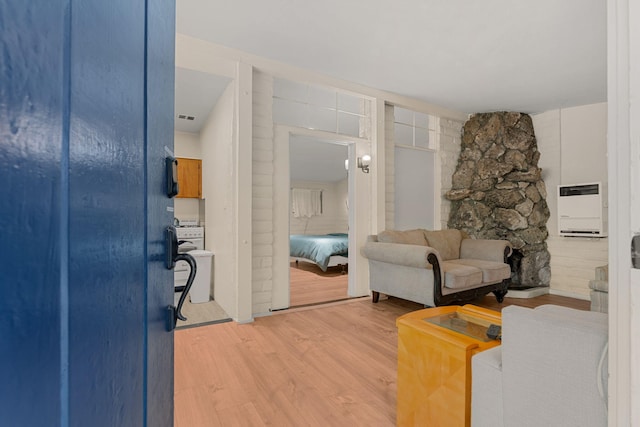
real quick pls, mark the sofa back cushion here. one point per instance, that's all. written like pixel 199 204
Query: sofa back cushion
pixel 408 237
pixel 446 242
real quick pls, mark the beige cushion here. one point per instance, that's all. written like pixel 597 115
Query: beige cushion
pixel 492 272
pixel 458 276
pixel 446 242
pixel 409 237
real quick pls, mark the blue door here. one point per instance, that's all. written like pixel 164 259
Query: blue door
pixel 86 119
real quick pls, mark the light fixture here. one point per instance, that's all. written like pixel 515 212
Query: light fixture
pixel 346 165
pixel 364 162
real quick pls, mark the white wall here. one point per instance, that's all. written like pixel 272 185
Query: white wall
pixel 414 188
pixel 335 216
pixel 219 192
pixel 254 225
pixel 572 144
pixel 449 140
pixel 583 137
pixel 263 224
pixel 449 148
pixel 187 144
pixel 390 163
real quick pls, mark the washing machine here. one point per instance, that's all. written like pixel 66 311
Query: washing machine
pixel 192 239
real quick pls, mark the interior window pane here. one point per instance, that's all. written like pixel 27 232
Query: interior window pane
pixel 289 113
pixel 403 134
pixel 422 120
pixel 349 124
pixel 402 115
pixel 349 103
pixel 321 97
pixel 322 118
pixel 422 138
pixel 290 90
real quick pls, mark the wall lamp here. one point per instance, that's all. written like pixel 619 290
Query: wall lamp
pixel 364 162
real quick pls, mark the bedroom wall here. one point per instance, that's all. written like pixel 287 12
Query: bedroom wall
pixel 335 216
pixel 573 149
pixel 218 190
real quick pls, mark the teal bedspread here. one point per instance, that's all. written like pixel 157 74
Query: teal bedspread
pixel 319 248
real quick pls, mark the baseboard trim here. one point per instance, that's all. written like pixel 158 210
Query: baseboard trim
pixel 528 293
pixel 569 294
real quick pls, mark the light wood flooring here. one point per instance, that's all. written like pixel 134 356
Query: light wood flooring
pixel 310 285
pixel 331 365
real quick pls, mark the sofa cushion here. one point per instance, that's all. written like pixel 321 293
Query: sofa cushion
pixel 492 272
pixel 408 237
pixel 458 276
pixel 446 242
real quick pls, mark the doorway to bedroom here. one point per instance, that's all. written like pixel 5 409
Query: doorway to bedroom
pixel 318 220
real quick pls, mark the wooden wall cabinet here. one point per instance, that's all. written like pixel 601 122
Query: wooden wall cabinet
pixel 189 178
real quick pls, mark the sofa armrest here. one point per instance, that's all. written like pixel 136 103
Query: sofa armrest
pixel 486 388
pixel 485 249
pixel 553 358
pixel 399 254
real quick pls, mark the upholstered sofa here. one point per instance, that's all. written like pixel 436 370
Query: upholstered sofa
pixel 551 370
pixel 436 268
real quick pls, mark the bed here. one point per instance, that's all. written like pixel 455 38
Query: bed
pixel 325 250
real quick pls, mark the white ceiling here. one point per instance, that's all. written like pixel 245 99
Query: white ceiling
pixel 516 55
pixel 513 55
pixel 196 94
pixel 311 159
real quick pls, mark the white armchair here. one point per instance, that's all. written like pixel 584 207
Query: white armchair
pixel 551 370
pixel 600 290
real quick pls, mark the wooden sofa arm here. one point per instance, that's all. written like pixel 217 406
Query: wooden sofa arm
pixel 400 254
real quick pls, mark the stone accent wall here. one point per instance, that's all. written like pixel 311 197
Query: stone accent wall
pixel 498 193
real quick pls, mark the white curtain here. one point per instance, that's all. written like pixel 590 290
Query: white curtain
pixel 306 202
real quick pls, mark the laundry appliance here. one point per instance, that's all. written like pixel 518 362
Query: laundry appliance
pixel 191 241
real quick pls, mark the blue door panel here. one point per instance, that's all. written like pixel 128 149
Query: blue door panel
pixel 82 212
pixel 107 215
pixel 160 74
pixel 30 211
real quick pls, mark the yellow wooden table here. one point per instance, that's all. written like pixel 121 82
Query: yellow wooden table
pixel 435 346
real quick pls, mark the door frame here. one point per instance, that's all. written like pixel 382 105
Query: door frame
pixel 623 147
pixel 359 187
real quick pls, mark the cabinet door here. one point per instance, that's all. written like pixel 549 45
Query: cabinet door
pixel 190 177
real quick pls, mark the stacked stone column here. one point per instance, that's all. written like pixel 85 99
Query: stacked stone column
pixel 498 193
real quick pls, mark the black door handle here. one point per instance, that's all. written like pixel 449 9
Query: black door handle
pixel 175 312
pixel 185 291
pixel 635 251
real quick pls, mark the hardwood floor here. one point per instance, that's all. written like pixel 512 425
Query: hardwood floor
pixel 310 285
pixel 325 365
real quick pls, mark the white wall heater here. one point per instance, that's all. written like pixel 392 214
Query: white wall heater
pixel 581 211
